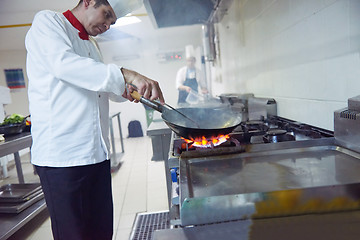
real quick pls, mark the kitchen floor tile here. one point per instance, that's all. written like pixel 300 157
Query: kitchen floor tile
pixel 126 220
pixel 134 204
pixel 157 198
pixel 42 233
pixel 123 234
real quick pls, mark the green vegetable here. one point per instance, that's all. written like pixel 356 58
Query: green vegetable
pixel 13 119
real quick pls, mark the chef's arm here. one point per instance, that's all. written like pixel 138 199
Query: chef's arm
pixel 184 88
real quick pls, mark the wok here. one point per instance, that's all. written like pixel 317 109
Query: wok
pixel 192 123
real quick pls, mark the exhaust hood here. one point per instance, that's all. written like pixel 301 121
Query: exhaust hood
pixel 171 13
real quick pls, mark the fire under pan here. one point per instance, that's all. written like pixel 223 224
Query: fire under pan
pixel 146 223
pixel 210 187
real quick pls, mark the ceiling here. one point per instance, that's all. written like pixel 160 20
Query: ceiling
pixel 14 12
pixel 20 11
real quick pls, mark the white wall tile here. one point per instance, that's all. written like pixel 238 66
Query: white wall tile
pixel 276 17
pixel 254 8
pixel 300 10
pixel 354 29
pixel 336 28
pixel 305 54
pixel 314 112
pixel 329 2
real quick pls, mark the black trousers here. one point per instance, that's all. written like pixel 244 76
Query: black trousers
pixel 79 201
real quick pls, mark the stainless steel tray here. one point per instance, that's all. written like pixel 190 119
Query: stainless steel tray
pixel 17 207
pixel 18 192
pixel 214 183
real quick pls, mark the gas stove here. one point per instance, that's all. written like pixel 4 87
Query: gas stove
pixel 261 158
pixel 274 129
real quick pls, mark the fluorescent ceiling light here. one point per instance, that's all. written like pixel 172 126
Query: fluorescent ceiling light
pixel 128 19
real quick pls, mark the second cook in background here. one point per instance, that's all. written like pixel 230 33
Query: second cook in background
pixel 189 78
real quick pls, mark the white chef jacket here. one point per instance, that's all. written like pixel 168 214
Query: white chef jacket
pixel 69 90
pixel 181 77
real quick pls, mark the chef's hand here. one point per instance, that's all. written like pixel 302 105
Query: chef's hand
pixel 145 86
pixel 204 91
pixel 185 88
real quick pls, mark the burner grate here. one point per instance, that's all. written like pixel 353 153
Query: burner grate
pixel 146 223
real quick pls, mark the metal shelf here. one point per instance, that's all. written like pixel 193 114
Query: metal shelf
pixel 10 223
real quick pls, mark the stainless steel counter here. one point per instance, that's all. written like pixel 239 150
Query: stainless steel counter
pixel 229 231
pixel 210 186
pixel 342 225
pixel 158 127
pixel 159 133
pixel 115 157
pixel 12 145
pixel 10 223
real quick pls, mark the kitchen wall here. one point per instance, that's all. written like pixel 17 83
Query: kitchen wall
pixel 305 54
pixel 19 101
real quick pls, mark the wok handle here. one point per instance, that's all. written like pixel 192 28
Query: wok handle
pixel 153 104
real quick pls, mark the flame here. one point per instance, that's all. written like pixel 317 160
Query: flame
pixel 204 142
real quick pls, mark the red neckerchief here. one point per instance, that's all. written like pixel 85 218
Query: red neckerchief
pixel 75 22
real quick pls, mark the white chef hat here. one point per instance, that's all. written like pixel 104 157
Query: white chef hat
pixel 123 7
pixel 189 51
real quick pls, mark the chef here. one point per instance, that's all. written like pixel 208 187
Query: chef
pixel 69 91
pixel 189 78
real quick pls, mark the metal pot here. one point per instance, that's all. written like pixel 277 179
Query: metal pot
pixel 235 98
